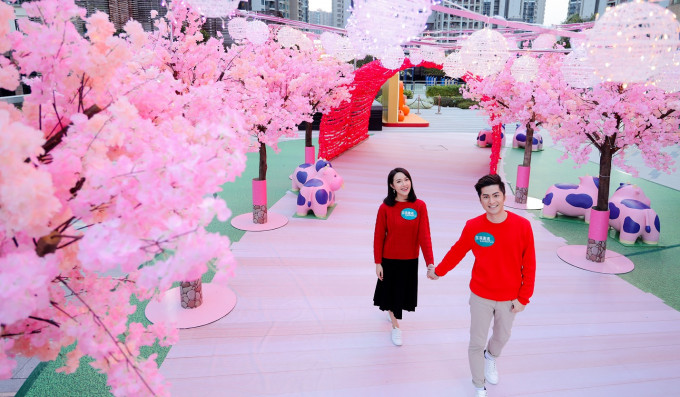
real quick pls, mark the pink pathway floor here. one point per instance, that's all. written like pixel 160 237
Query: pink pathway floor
pixel 305 324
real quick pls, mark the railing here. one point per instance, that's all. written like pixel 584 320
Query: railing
pixel 14 99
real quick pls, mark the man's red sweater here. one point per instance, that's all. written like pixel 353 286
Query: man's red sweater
pixel 401 230
pixel 505 259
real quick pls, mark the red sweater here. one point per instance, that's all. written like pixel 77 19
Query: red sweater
pixel 505 260
pixel 402 230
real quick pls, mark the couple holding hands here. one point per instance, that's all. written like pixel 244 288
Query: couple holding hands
pixel 502 275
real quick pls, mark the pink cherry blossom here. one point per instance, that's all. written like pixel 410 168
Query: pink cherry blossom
pixel 109 168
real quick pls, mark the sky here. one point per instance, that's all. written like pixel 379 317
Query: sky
pixel 325 5
pixel 555 12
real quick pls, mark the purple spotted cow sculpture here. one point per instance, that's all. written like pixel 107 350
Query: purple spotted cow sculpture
pixel 305 172
pixel 630 213
pixel 318 193
pixel 520 139
pixel 485 138
pixel 572 200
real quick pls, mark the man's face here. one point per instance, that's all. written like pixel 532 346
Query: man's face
pixel 492 200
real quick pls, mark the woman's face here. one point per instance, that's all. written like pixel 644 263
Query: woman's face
pixel 402 185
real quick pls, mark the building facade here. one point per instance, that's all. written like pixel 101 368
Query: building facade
pixel 320 17
pixel 341 10
pixel 530 11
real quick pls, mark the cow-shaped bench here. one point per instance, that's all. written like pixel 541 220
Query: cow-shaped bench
pixel 485 137
pixel 520 139
pixel 305 172
pixel 631 214
pixel 318 193
pixel 572 200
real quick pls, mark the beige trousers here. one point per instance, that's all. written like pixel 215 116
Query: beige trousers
pixel 481 312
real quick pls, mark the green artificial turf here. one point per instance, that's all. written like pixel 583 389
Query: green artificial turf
pixel 657 269
pixel 86 381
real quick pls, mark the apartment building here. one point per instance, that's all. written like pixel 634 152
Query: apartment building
pixel 340 12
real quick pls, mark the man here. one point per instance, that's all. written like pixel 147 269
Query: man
pixel 502 276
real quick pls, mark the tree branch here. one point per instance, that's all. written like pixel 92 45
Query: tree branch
pixel 99 322
pixel 55 139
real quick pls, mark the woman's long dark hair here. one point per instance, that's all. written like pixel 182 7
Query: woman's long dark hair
pixel 391 198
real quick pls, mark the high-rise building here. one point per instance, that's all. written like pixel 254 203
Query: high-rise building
pixel 296 10
pixel 447 22
pixel 341 12
pixel 121 11
pixel 587 9
pixel 529 11
pixel 320 17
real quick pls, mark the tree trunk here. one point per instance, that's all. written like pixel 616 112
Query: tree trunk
pixel 528 146
pixel 191 293
pixel 308 135
pixel 599 223
pixel 263 162
pixel 522 190
pixel 260 188
pixel 606 153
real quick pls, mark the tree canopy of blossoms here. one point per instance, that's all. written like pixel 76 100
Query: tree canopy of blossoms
pixel 612 118
pixel 277 88
pixel 106 182
pixel 331 88
pixel 510 101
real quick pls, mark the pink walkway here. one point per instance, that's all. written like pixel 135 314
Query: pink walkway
pixel 304 323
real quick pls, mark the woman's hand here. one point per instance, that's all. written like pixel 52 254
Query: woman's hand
pixel 379 271
pixel 430 272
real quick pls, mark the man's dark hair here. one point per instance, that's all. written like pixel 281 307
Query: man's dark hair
pixel 391 198
pixel 489 180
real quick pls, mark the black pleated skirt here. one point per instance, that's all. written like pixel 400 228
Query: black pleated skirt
pixel 398 289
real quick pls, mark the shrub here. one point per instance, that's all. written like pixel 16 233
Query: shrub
pixel 464 103
pixel 408 93
pixel 443 90
pixel 433 72
pixel 447 101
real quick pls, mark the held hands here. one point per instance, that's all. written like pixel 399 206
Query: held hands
pixel 516 306
pixel 379 271
pixel 430 272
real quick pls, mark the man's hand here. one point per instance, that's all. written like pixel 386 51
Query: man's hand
pixel 516 306
pixel 379 271
pixel 430 272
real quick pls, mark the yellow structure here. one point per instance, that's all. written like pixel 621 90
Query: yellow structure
pixel 390 95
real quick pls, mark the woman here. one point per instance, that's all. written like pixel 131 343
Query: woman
pixel 402 228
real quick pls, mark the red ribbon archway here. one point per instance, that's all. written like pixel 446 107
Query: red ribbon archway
pixel 347 125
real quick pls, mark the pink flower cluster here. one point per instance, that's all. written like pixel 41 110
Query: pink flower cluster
pixel 107 174
pixel 277 88
pixel 610 117
pixel 107 177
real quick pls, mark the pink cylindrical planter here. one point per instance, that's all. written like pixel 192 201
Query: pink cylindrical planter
pixel 309 154
pixel 522 184
pixel 259 201
pixel 191 293
pixel 597 235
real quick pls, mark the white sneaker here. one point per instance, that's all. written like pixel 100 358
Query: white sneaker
pixel 396 336
pixel 480 392
pixel 490 370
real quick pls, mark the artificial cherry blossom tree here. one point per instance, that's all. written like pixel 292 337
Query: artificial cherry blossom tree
pixel 505 99
pixel 274 88
pixel 613 117
pixel 331 88
pixel 106 182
